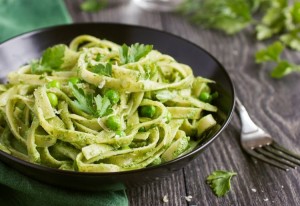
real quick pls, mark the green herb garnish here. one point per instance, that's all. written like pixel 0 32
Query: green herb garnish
pixel 97 106
pixel 52 59
pixel 101 69
pixel 219 181
pixel 133 53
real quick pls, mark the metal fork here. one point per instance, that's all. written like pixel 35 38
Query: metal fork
pixel 261 145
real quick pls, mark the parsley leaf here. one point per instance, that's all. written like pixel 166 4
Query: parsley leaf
pixel 229 16
pixel 219 181
pixel 271 53
pixel 273 22
pixel 52 59
pixel 83 101
pixel 102 70
pixel 292 16
pixel 292 39
pixel 133 53
pixel 97 106
pixel 53 56
pixel 93 5
pixel 102 105
pixel 284 68
pixel 37 68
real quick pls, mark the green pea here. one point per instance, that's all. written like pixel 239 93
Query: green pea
pixel 113 96
pixel 205 97
pixel 53 99
pixel 74 80
pixel 113 122
pixel 53 84
pixel 147 111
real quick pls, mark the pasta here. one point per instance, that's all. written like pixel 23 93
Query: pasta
pixel 96 106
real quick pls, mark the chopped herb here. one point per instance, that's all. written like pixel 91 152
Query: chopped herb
pixel 97 106
pixel 53 56
pixel 284 68
pixel 280 19
pixel 292 39
pixel 37 68
pixel 219 181
pixel 230 16
pixel 52 59
pixel 133 53
pixel 83 101
pixel 271 53
pixel 102 105
pixel 273 20
pixel 102 70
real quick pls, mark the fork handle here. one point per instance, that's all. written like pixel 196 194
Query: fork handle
pixel 248 125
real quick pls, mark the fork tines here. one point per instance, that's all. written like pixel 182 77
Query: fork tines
pixel 276 155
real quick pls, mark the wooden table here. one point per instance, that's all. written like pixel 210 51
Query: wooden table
pixel 273 104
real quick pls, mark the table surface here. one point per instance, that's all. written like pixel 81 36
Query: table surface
pixel 272 104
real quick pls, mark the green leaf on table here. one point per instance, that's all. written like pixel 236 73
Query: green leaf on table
pixel 292 39
pixel 133 53
pixel 219 181
pixel 101 69
pixel 284 68
pixel 295 11
pixel 230 16
pixel 292 16
pixel 273 21
pixel 271 53
pixel 93 5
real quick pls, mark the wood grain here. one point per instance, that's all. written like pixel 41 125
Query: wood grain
pixel 273 104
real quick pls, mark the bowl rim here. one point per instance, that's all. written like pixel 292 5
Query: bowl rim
pixel 134 171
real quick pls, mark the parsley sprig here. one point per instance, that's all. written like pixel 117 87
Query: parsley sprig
pixel 273 54
pixel 219 181
pixel 230 16
pixel 280 20
pixel 52 59
pixel 133 53
pixel 96 106
pixel 102 69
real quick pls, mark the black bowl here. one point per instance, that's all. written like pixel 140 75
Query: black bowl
pixel 20 50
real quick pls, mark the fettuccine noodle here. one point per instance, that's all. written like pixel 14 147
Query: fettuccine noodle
pixel 57 111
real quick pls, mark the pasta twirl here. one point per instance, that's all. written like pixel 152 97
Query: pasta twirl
pixel 96 106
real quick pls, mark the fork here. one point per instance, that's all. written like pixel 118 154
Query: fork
pixel 261 145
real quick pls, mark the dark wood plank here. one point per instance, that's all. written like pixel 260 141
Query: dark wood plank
pixel 272 104
pixel 153 193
